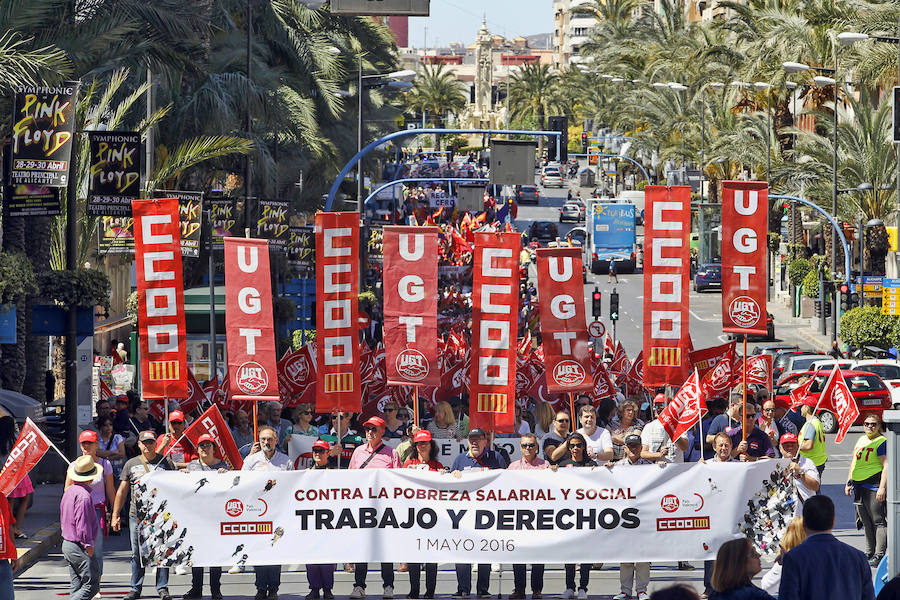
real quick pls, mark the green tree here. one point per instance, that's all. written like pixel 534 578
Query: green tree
pixel 436 92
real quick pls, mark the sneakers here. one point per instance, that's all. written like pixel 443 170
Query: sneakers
pixel 582 594
pixel 272 595
pixel 358 592
pixel 685 566
pixel 643 596
pixel 568 594
pixel 875 560
pixel 164 594
pixel 327 595
pixel 217 595
pixel 483 595
pixel 460 594
pixel 313 594
pixel 132 595
pixel 622 596
pixel 388 592
pixel 192 594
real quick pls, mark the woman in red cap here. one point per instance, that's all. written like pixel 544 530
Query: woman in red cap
pixel 320 577
pixel 423 452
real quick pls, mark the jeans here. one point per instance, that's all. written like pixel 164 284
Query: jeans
pixel 708 568
pixel 464 578
pixel 215 578
pixel 583 579
pixel 362 569
pixel 137 564
pixel 537 578
pixel 430 578
pixel 320 577
pixel 268 578
pixel 83 570
pixel 637 574
pixel 872 513
pixel 6 580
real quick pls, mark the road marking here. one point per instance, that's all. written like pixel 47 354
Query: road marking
pixel 696 316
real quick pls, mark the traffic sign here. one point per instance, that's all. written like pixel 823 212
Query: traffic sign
pixel 364 319
pixel 871 287
pixel 890 302
pixel 596 329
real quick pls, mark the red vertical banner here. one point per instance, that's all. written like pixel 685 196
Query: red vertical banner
pixel 249 323
pixel 410 305
pixel 495 319
pixel 160 286
pixel 338 385
pixel 745 226
pixel 666 280
pixel 567 351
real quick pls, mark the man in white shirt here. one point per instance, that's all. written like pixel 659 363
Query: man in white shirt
pixel 806 475
pixel 657 444
pixel 599 440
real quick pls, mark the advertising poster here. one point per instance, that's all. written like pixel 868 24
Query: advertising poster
pixel 27 200
pixel 227 220
pixel 190 210
pixel 116 235
pixel 115 172
pixel 43 134
pixel 302 248
pixel 273 222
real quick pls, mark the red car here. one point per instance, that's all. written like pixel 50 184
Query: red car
pixel 871 394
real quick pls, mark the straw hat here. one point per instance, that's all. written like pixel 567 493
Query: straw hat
pixel 84 469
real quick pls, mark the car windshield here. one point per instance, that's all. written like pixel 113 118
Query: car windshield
pixel 801 364
pixel 551 172
pixel 543 226
pixel 883 371
pixel 865 383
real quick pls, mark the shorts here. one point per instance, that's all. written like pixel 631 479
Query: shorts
pixel 23 489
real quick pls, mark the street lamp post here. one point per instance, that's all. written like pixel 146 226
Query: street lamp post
pixel 716 85
pixel 678 87
pixel 763 86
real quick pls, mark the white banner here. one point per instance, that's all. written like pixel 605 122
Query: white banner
pixel 623 514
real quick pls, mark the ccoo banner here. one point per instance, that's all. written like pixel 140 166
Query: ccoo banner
pixel 567 352
pixel 115 171
pixel 160 287
pixel 43 128
pixel 622 514
pixel 410 305
pixel 249 322
pixel 495 319
pixel 338 385
pixel 666 281
pixel 745 223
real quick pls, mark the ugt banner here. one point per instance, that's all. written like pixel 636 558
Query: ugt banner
pixel 31 445
pixel 567 353
pixel 338 385
pixel 745 226
pixel 160 287
pixel 622 514
pixel 410 305
pixel 666 281
pixel 249 323
pixel 495 319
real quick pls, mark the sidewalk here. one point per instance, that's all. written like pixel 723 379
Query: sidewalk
pixel 806 329
pixel 41 525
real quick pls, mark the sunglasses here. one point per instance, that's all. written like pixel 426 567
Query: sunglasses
pixel 870 424
pixel 562 420
pixel 370 428
pixel 319 450
pixel 387 410
pixel 306 412
pixel 206 445
pixel 576 445
pixel 768 410
pixel 529 445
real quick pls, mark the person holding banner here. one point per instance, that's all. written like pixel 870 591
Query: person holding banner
pixel 207 461
pixel 555 449
pixel 9 557
pixel 424 451
pixel 320 576
pixel 175 444
pixel 804 471
pixel 774 423
pixel 812 434
pixel 598 439
pixel 530 460
pixel 755 444
pixel 266 457
pixel 374 454
pixel 133 470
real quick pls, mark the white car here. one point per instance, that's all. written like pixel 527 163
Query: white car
pixel 551 176
pixel 828 365
pixel 888 370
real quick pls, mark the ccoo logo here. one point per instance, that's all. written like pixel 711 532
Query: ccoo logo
pixel 744 311
pixel 568 373
pixel 412 365
pixel 252 378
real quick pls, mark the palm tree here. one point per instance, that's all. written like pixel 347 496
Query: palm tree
pixel 436 92
pixel 534 93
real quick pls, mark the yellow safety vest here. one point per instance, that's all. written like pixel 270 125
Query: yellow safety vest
pixel 865 458
pixel 818 454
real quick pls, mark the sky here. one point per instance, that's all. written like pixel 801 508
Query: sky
pixel 459 20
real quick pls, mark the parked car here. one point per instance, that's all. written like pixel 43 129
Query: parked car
pixel 773 349
pixel 888 370
pixel 784 362
pixel 569 212
pixel 830 363
pixel 527 194
pixel 709 276
pixel 582 207
pixel 552 177
pixel 543 231
pixel 577 236
pixel 871 394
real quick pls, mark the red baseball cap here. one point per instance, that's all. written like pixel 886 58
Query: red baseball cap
pixel 808 401
pixel 88 436
pixel 175 416
pixel 660 399
pixel 787 438
pixel 321 444
pixel 376 422
pixel 422 436
pixel 206 438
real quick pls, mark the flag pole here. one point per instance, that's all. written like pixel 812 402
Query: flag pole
pixel 700 415
pixel 744 411
pixel 255 421
pixel 415 401
pixel 572 409
pixel 337 434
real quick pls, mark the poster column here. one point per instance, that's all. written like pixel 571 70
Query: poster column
pixel 338 384
pixel 410 306
pixel 745 224
pixel 666 281
pixel 495 308
pixel 160 287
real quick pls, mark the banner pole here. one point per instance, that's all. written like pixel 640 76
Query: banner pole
pixel 255 422
pixel 58 451
pixel 744 411
pixel 337 434
pixel 572 409
pixel 415 401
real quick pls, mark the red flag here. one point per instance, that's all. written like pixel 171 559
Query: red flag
pixel 31 445
pixel 799 393
pixel 338 383
pixel 567 350
pixel 410 305
pixel 105 392
pixel 603 385
pixel 745 225
pixel 195 394
pixel 837 394
pixel 249 322
pixel 617 366
pixel 608 345
pixel 160 285
pixel 495 316
pixel 212 422
pixel 721 378
pixel 297 376
pixel 210 388
pixel 634 379
pixel 759 370
pixel 666 281
pixel 685 409
pixel 706 358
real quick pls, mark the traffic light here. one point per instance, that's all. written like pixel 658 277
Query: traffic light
pixel 614 305
pixel 596 305
pixel 584 142
pixel 854 298
pixel 845 297
pixel 560 124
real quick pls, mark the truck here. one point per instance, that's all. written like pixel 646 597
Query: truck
pixel 611 235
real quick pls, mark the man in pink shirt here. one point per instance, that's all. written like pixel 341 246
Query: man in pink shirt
pixel 529 460
pixel 374 454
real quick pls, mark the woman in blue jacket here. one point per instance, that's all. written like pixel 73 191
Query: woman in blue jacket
pixel 736 564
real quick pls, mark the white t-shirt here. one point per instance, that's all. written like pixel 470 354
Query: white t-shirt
pixel 807 467
pixel 654 436
pixel 600 441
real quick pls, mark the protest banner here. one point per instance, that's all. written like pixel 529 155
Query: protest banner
pixel 623 514
pixel 29 449
pixel 745 226
pixel 213 423
pixel 42 134
pixel 115 172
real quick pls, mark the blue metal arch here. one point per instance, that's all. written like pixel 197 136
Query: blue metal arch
pixel 415 179
pixel 824 213
pixel 623 157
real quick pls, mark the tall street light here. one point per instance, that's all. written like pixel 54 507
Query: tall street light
pixel 765 87
pixel 716 85
pixel 678 87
